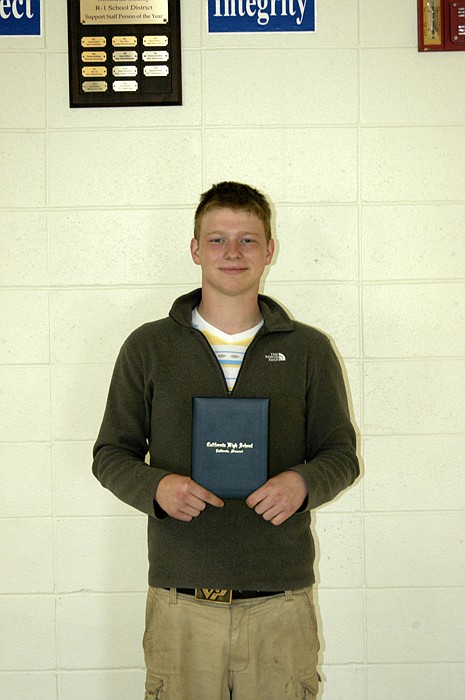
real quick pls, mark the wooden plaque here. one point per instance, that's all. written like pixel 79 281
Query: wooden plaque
pixel 124 53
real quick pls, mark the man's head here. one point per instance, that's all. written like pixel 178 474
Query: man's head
pixel 236 196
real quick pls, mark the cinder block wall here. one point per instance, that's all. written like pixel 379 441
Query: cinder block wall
pixel 360 143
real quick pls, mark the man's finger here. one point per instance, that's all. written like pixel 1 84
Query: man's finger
pixel 279 519
pixel 255 497
pixel 263 506
pixel 269 513
pixel 192 511
pixel 206 496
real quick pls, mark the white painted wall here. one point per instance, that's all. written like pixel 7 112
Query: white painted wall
pixel 360 143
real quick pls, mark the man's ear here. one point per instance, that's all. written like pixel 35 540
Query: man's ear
pixel 195 251
pixel 270 251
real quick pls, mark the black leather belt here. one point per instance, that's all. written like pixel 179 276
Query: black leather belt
pixel 224 595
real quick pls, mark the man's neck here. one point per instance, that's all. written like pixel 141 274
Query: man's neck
pixel 230 314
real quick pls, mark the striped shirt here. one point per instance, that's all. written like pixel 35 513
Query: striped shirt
pixel 229 349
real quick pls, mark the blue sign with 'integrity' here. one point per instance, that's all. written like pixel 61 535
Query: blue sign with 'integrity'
pixel 261 15
pixel 20 17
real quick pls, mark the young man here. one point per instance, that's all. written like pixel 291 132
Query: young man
pixel 255 553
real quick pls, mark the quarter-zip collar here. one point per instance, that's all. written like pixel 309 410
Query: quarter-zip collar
pixel 274 317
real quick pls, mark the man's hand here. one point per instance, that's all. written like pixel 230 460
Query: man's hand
pixel 183 498
pixel 280 497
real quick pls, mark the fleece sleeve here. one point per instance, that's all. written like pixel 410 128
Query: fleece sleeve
pixel 331 461
pixel 122 443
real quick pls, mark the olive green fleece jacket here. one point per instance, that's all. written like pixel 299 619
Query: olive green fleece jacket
pixel 160 367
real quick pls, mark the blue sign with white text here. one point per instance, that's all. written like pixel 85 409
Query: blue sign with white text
pixel 20 17
pixel 261 15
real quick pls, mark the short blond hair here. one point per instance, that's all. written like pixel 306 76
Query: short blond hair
pixel 234 195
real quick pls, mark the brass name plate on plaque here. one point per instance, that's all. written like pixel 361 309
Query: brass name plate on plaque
pixel 119 41
pixel 125 71
pixel 138 32
pixel 94 56
pixel 94 72
pixel 156 70
pixel 125 85
pixel 94 86
pixel 155 40
pixel 124 56
pixel 93 42
pixel 161 56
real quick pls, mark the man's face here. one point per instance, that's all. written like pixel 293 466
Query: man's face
pixel 232 251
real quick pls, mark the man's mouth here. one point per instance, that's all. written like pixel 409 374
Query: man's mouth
pixel 233 270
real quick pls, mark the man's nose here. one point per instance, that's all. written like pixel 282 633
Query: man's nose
pixel 233 249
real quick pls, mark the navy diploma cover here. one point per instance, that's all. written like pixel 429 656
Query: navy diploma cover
pixel 230 445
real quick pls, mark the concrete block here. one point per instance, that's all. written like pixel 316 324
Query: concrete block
pixel 22 686
pixel 433 250
pixel 98 631
pixel 414 397
pixel 24 248
pixel 315 243
pixel 339 540
pixel 417 625
pixel 289 165
pixel 403 99
pixel 56 28
pixel 401 473
pixel 395 165
pixel 25 405
pixel 76 490
pixel 415 681
pixel 414 320
pixel 22 86
pixel 338 681
pixel 349 501
pixel 409 549
pixel 108 317
pixel 376 15
pixel 27 555
pixel 21 464
pixel 25 43
pixel 341 620
pixel 332 308
pixel 24 155
pixel 25 327
pixel 191 22
pixel 79 395
pixel 101 685
pixel 112 554
pixel 332 75
pixel 351 372
pixel 155 153
pixel 27 641
pixel 131 247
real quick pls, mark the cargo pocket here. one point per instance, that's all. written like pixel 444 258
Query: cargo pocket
pixel 154 690
pixel 309 686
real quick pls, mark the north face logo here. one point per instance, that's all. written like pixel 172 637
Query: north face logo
pixel 276 357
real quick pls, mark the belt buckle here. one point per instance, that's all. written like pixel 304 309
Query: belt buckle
pixel 220 596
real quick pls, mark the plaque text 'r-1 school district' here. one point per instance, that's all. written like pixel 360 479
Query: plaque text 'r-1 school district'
pixel 124 53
